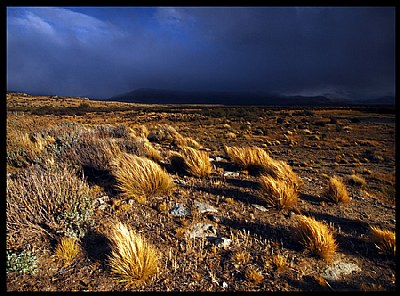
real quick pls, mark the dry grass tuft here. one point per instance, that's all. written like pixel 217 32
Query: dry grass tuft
pixel 279 169
pixel 241 258
pixel 194 162
pixel 138 176
pixel 253 159
pixel 278 193
pixel 181 141
pixel 253 276
pixel 357 181
pixel 132 258
pixel 67 250
pixel 337 191
pixel 385 240
pixel 279 262
pixel 316 237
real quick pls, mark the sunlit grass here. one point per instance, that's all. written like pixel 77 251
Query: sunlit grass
pixel 139 177
pixel 316 237
pixel 132 258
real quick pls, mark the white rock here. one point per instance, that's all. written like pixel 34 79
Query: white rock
pixel 202 230
pixel 204 208
pixel 231 174
pixel 222 242
pixel 179 210
pixel 339 269
pixel 259 207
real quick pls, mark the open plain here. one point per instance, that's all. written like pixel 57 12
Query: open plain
pixel 214 229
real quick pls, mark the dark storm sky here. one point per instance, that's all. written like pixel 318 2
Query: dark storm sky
pixel 100 52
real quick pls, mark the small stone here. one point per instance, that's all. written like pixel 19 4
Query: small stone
pixel 224 285
pixel 131 202
pixel 231 174
pixel 222 242
pixel 202 230
pixel 178 210
pixel 204 208
pixel 219 158
pixel 259 207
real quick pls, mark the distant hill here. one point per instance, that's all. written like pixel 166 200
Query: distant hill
pixel 162 96
pixel 386 100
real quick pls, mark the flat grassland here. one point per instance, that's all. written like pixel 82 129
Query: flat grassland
pixel 70 175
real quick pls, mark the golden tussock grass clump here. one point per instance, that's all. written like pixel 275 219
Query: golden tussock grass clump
pixel 357 181
pixel 316 237
pixel 182 141
pixel 139 176
pixel 251 158
pixel 278 193
pixel 194 162
pixel 241 258
pixel 384 240
pixel 280 170
pixel 67 250
pixel 140 130
pixel 253 276
pixel 132 258
pixel 336 190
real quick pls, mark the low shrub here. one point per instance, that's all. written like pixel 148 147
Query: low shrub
pixel 140 147
pixel 43 203
pixel 21 262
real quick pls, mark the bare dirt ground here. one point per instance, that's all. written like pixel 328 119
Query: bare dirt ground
pixel 316 142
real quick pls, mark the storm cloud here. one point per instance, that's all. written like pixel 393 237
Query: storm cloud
pixel 100 52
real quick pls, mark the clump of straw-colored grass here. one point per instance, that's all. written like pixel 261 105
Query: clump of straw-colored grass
pixel 132 258
pixel 316 237
pixel 139 177
pixel 384 240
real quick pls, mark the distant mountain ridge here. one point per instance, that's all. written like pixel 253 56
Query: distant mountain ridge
pixel 162 96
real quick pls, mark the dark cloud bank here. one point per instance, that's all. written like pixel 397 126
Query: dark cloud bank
pixel 344 52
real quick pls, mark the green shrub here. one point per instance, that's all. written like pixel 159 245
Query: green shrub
pixel 21 262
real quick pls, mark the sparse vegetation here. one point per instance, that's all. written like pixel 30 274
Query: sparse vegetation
pixel 211 233
pixel 357 181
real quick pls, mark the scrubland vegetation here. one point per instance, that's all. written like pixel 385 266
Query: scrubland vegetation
pixel 124 197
